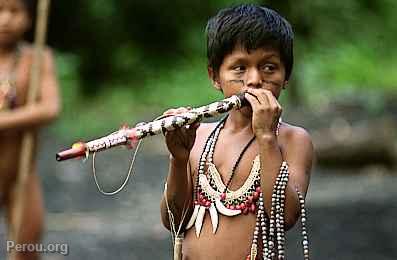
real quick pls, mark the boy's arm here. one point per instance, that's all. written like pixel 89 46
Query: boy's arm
pixel 297 152
pixel 179 181
pixel 179 193
pixel 44 110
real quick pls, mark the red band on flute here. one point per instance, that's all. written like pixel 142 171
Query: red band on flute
pixel 132 138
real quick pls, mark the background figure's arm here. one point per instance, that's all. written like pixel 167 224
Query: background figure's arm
pixel 179 194
pixel 44 110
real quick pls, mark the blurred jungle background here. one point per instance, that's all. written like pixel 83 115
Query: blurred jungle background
pixel 128 61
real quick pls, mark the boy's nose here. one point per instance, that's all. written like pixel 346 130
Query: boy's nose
pixel 254 79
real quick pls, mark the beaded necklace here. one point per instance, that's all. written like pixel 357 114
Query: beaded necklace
pixel 236 164
pixel 211 195
pixel 243 198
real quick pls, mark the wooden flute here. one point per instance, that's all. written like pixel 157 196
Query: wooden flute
pixel 130 136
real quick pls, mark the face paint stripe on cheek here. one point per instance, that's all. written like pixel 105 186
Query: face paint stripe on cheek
pixel 237 81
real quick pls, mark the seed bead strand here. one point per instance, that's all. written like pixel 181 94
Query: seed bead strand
pixel 204 154
pixel 278 200
pixel 210 157
pixel 280 227
pixel 263 223
pixel 269 245
pixel 200 169
pixel 305 240
pixel 272 220
pixel 254 247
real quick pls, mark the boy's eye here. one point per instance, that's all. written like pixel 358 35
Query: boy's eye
pixel 269 67
pixel 239 68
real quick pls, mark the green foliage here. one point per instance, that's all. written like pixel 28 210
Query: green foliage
pixel 184 84
pixel 134 59
pixel 349 51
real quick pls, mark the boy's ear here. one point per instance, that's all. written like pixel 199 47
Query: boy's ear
pixel 214 77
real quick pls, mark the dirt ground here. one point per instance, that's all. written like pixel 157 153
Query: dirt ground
pixel 351 212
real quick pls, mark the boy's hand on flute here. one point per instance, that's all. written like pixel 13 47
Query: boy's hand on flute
pixel 266 111
pixel 180 141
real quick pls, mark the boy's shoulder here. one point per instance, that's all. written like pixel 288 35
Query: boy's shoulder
pixel 290 131
pixel 292 136
pixel 205 129
pixel 202 133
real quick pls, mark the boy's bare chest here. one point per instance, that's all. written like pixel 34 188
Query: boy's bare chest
pixel 231 163
pixel 233 170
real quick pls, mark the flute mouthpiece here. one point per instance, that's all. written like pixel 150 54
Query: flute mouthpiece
pixel 242 98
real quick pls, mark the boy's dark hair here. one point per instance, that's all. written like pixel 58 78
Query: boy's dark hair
pixel 252 27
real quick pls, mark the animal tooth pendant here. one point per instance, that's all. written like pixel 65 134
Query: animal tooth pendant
pixel 193 217
pixel 214 217
pixel 225 211
pixel 199 220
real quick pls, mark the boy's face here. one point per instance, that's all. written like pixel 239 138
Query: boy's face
pixel 240 70
pixel 14 21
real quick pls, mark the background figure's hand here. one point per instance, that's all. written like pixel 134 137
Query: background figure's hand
pixel 180 141
pixel 266 111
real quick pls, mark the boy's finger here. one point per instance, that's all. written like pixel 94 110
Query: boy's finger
pixel 251 99
pixel 260 95
pixel 273 102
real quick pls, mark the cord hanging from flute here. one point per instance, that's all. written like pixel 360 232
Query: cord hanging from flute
pixel 111 193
